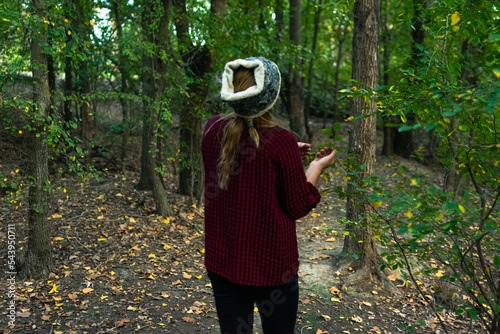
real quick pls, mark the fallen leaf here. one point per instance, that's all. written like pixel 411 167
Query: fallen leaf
pixel 188 319
pixel 357 319
pixel 186 275
pixel 87 290
pixel 54 289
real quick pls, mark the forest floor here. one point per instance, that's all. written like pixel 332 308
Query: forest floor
pixel 120 268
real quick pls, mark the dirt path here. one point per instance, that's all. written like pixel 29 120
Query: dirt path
pixel 119 268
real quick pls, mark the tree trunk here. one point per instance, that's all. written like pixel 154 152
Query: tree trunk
pixel 198 63
pixel 38 259
pixel 307 113
pixel 68 75
pixel 154 67
pixel 403 141
pixel 295 95
pixel 84 30
pixel 124 76
pixel 389 131
pixel 341 39
pixel 362 134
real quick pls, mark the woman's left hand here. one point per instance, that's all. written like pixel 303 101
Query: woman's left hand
pixel 304 149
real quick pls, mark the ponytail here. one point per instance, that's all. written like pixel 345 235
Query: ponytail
pixel 231 140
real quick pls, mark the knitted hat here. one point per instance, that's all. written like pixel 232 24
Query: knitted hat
pixel 255 101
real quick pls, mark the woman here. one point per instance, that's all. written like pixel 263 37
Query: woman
pixel 255 189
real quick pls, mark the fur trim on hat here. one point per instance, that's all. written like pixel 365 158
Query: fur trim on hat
pixel 255 100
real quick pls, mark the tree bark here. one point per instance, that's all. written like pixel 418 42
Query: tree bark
pixel 198 63
pixel 389 131
pixel 307 112
pixel 84 30
pixel 403 141
pixel 341 39
pixel 295 94
pixel 124 76
pixel 38 257
pixel 362 134
pixel 68 83
pixel 155 70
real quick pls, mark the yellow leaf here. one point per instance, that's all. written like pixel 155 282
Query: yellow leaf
pixel 58 239
pixel 101 239
pixel 91 23
pixel 409 214
pixel 132 220
pixel 376 204
pixel 166 221
pixel 455 17
pixel 461 208
pixel 131 308
pixel 456 28
pixel 325 177
pixel 335 300
pixel 152 256
pixel 54 289
pixel 69 32
pixel 414 182
pixel 439 217
pixel 497 73
pixel 367 303
pixel 346 178
pixel 315 215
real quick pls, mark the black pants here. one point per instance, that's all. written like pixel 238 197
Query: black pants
pixel 235 304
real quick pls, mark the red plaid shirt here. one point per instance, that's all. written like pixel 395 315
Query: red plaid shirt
pixel 250 235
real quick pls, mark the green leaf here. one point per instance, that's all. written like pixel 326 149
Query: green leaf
pixel 338 138
pixel 496 261
pixel 473 313
pixel 327 132
pixel 405 128
pixel 336 126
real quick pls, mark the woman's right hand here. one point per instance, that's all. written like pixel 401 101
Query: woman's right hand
pixel 325 157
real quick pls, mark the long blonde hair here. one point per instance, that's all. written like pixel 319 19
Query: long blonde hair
pixel 243 79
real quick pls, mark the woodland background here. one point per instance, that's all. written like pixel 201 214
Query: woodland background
pixel 94 92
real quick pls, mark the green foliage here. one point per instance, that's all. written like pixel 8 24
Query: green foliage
pixel 446 235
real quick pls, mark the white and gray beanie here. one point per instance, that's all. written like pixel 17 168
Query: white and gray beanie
pixel 258 99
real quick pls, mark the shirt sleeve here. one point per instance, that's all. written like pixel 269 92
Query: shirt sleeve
pixel 296 195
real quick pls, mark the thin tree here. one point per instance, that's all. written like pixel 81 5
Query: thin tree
pixel 307 110
pixel 37 262
pixel 156 30
pixel 389 131
pixel 341 38
pixel 362 135
pixel 293 82
pixel 116 10
pixel 198 62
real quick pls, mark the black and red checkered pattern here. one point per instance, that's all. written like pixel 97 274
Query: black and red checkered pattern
pixel 250 235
